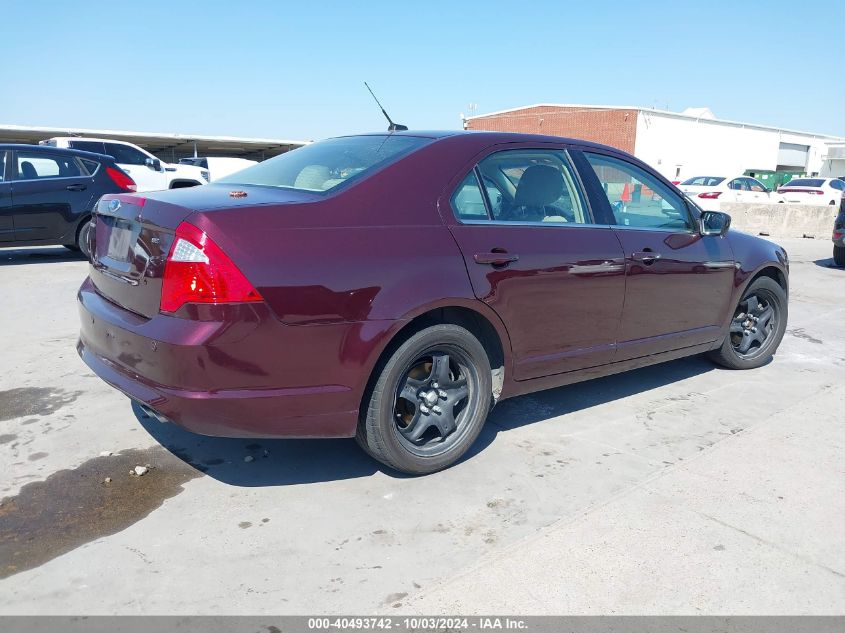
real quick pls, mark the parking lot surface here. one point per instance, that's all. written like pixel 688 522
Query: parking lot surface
pixel 677 489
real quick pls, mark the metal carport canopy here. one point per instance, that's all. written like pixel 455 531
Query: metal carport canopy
pixel 167 146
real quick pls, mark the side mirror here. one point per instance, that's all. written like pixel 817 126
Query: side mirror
pixel 714 223
pixel 153 163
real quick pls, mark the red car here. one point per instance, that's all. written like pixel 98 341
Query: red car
pixel 393 287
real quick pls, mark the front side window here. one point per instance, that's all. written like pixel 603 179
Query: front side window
pixel 522 186
pixel 755 185
pixel 34 166
pixel 837 184
pixel 325 165
pixel 126 155
pixel 637 198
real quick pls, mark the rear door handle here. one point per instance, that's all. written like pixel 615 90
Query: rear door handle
pixel 646 257
pixel 495 259
pixel 76 187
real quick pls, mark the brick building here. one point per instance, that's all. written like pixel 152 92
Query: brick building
pixel 679 144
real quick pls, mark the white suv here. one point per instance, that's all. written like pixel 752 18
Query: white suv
pixel 148 172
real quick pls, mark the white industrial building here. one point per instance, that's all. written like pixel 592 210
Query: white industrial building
pixel 695 142
pixel 681 144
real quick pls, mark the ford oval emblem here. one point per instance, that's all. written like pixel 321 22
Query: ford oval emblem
pixel 114 205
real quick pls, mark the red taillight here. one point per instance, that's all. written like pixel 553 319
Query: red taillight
pixel 121 179
pixel 837 235
pixel 710 194
pixel 197 271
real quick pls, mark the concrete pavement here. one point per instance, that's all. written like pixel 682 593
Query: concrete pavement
pixel 676 489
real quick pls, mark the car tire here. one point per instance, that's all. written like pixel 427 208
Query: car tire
pixel 748 344
pixel 81 243
pixel 428 401
pixel 839 255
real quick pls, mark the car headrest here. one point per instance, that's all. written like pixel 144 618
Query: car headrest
pixel 312 177
pixel 540 185
pixel 27 170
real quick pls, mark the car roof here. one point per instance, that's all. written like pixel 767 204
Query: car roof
pixel 87 138
pixel 492 137
pixel 55 150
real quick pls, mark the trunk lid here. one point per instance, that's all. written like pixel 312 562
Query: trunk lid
pixel 133 233
pixel 132 236
pixel 694 190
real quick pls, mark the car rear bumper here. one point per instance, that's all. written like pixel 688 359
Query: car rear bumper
pixel 249 377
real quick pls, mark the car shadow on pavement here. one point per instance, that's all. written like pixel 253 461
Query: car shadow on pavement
pixel 543 405
pixel 261 462
pixel 828 263
pixel 251 462
pixel 39 255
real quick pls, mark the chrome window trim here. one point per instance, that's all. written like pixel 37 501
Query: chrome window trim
pixel 48 178
pixel 655 229
pixel 558 225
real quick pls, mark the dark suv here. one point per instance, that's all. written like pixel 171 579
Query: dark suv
pixel 839 236
pixel 47 194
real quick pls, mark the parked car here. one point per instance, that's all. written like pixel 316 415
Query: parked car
pixel 218 166
pixel 709 192
pixel 148 172
pixel 839 236
pixel 47 194
pixel 813 191
pixel 393 287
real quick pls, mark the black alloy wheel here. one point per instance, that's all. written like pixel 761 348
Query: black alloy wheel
pixel 430 405
pixel 757 327
pixel 427 403
pixel 755 321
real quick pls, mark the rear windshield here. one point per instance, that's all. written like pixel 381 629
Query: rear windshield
pixel 196 162
pixel 703 181
pixel 326 165
pixel 805 182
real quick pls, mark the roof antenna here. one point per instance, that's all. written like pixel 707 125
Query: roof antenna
pixel 393 127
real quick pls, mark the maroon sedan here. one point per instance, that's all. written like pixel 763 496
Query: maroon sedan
pixel 393 287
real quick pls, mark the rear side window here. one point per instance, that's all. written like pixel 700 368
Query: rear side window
pixel 2 166
pixel 529 185
pixel 88 146
pixel 521 186
pixel 91 166
pixel 325 165
pixel 126 155
pixel 35 166
pixel 468 201
pixel 637 198
pixel 837 184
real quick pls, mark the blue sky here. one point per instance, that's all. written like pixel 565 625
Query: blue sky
pixel 295 69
